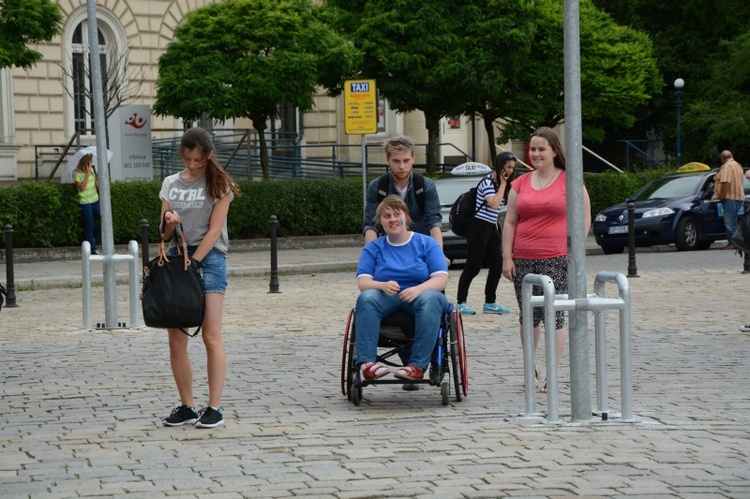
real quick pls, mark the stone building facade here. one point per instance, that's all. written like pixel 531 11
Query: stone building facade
pixel 40 113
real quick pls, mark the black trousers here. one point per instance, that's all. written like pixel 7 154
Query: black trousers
pixel 485 246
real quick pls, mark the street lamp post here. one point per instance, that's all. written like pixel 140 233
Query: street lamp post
pixel 678 84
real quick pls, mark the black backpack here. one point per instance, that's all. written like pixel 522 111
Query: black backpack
pixel 417 180
pixel 463 211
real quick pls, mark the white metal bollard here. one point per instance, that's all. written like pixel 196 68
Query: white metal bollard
pixel 132 259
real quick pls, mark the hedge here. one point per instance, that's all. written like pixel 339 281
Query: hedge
pixel 46 214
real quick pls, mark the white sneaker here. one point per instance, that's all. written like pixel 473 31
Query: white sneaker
pixel 745 328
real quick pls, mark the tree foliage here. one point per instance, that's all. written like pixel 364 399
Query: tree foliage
pixel 693 40
pixel 431 55
pixel 501 59
pixel 722 112
pixel 24 22
pixel 244 58
pixel 618 74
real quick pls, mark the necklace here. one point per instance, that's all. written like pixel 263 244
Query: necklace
pixel 542 187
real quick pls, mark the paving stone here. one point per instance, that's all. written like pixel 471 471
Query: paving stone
pixel 93 401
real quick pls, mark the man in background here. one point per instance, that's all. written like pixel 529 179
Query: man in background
pixel 730 191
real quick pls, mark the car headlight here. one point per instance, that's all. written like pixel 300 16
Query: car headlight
pixel 658 212
pixel 600 218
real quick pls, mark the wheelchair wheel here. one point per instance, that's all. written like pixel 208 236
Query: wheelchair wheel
pixel 454 353
pixel 460 343
pixel 445 391
pixel 347 357
pixel 356 395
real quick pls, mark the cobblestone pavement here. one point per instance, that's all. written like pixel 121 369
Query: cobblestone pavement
pixel 82 409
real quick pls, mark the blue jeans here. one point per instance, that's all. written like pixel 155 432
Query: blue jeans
pixel 214 267
pixel 731 209
pixel 373 305
pixel 91 223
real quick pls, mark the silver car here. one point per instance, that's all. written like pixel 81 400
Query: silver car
pixel 449 188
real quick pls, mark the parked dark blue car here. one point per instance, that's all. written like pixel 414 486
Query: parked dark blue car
pixel 676 208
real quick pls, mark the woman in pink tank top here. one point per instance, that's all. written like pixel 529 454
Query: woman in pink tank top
pixel 535 229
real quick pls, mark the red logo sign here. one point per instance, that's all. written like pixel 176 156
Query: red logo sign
pixel 135 121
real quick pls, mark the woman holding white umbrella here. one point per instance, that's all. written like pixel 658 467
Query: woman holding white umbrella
pixel 85 179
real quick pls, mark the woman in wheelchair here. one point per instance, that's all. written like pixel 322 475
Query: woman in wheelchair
pixel 401 271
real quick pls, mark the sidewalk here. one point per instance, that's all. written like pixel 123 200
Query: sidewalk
pixel 82 409
pixel 62 267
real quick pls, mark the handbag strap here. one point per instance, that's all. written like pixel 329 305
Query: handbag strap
pixel 179 235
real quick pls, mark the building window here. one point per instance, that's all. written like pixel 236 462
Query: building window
pixel 83 102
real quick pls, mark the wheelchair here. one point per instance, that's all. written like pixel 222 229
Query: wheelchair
pixel 395 340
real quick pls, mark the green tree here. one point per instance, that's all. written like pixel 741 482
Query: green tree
pixel 722 112
pixel 428 55
pixel 618 74
pixel 24 22
pixel 244 58
pixel 499 47
pixel 689 37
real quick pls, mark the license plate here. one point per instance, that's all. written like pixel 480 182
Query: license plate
pixel 617 229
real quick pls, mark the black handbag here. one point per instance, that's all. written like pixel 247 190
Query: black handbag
pixel 172 295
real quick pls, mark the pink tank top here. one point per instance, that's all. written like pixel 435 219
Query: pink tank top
pixel 542 229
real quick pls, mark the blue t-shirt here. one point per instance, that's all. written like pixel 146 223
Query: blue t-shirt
pixel 409 264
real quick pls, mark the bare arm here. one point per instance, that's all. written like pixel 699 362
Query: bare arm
pixel 437 282
pixel 586 212
pixel 215 226
pixel 509 236
pixel 497 199
pixel 370 235
pixel 82 184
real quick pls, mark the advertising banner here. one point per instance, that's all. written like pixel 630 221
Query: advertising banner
pixel 130 143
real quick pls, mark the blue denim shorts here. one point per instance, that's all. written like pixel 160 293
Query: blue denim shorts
pixel 214 267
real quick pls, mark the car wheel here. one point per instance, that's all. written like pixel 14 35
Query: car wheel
pixel 613 250
pixel 687 236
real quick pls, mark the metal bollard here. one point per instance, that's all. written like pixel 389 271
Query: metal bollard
pixel 10 298
pixel 632 269
pixel 274 285
pixel 144 242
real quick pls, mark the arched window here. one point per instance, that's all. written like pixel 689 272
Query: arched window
pixel 81 75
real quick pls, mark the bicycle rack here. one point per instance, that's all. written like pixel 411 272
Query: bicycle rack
pixel 596 303
pixel 132 259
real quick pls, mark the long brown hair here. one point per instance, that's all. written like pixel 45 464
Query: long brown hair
pixel 218 181
pixel 84 160
pixel 553 140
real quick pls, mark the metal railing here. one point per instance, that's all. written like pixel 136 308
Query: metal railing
pixel 238 150
pixel 640 154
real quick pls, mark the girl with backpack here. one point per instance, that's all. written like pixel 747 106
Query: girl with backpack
pixel 483 238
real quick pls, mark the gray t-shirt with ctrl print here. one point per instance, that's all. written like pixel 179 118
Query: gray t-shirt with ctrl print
pixel 191 201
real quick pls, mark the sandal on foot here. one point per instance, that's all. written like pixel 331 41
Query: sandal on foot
pixel 543 389
pixel 410 372
pixel 536 378
pixel 371 370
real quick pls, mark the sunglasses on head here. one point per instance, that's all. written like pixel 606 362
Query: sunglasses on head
pixel 400 142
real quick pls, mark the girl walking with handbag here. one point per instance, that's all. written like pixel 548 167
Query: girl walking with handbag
pixel 198 198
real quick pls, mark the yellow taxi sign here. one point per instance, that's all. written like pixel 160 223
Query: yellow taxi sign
pixel 361 104
pixel 693 167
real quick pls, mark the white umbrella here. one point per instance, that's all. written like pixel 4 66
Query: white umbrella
pixel 67 176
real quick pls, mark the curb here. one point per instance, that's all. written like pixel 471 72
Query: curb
pixel 68 253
